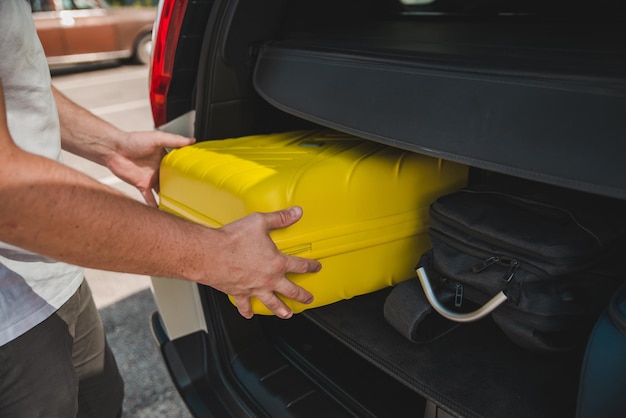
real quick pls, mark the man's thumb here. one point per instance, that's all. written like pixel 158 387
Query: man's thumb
pixel 285 217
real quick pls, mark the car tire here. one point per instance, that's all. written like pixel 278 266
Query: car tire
pixel 143 49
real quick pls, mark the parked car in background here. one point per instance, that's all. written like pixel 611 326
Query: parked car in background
pixel 82 31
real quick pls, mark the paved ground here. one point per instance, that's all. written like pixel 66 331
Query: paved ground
pixel 149 391
pixel 119 94
pixel 125 304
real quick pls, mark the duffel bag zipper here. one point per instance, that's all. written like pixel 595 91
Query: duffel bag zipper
pixel 489 259
pixel 457 287
pixel 494 259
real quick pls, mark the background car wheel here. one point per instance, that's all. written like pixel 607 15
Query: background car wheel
pixel 143 49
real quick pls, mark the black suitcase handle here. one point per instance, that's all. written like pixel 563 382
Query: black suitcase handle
pixel 484 310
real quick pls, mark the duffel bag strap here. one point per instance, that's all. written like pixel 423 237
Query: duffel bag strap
pixel 484 310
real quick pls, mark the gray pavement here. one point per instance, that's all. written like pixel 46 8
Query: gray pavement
pixel 119 94
pixel 148 389
pixel 125 304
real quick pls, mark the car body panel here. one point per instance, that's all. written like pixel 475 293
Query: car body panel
pixel 182 309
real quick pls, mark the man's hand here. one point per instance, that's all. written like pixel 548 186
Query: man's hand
pixel 134 157
pixel 137 158
pixel 253 266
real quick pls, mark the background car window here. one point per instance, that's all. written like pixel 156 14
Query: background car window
pixel 85 4
pixel 76 4
pixel 41 5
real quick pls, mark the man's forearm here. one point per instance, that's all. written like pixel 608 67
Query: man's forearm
pixel 83 133
pixel 70 217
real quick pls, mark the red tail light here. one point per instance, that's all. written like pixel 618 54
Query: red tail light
pixel 164 51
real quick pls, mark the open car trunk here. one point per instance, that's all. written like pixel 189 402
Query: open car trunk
pixel 345 360
pixel 537 91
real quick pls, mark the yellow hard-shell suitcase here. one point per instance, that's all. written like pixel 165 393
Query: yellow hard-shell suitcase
pixel 365 204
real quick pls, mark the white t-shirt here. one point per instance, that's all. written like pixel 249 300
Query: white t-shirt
pixel 32 287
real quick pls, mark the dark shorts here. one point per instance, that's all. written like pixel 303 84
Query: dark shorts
pixel 62 368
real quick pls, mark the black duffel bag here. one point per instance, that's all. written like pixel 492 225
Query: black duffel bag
pixel 542 261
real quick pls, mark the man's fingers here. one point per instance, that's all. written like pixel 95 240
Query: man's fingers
pixel 283 218
pixel 167 140
pixel 148 196
pixel 290 290
pixel 243 306
pixel 285 288
pixel 270 300
pixel 274 304
pixel 302 265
